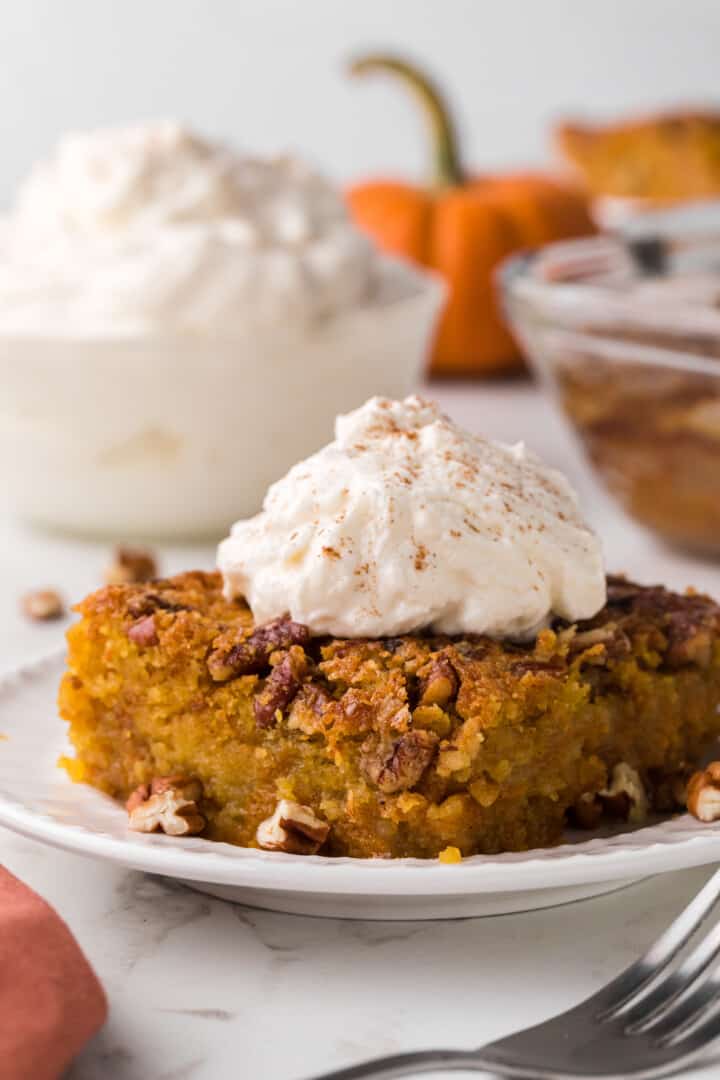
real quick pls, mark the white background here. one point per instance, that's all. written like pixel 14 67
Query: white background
pixel 269 73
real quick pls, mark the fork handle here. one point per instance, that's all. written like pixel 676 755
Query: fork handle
pixel 421 1061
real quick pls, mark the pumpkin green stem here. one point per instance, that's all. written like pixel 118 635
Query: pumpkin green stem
pixel 447 169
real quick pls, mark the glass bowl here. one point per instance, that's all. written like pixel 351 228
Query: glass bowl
pixel 633 359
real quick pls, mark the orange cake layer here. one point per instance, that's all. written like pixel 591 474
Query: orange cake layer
pixel 403 746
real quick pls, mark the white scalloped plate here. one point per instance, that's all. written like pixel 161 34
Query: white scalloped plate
pixel 38 800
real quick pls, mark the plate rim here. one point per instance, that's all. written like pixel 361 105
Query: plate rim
pixel 650 850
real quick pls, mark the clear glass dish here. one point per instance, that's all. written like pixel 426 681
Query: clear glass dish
pixel 624 332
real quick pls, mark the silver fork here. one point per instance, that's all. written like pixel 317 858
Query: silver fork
pixel 652 1020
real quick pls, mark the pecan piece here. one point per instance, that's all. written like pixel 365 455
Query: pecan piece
pixel 130 566
pixel 440 685
pixel 310 705
pixel 394 644
pixel 281 686
pixel 398 764
pixel 251 655
pixel 169 805
pixel 315 697
pixel 688 624
pixel 535 666
pixel 143 632
pixel 620 591
pixel 42 605
pixel 614 641
pixel 357 709
pixel 294 829
pixel 145 603
pixel 689 642
pixel 625 797
pixel 703 793
pixel 587 811
pixel 136 798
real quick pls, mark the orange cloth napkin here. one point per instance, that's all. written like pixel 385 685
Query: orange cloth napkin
pixel 50 999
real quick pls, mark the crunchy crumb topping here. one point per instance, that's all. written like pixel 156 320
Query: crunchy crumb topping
pixel 404 745
pixel 248 655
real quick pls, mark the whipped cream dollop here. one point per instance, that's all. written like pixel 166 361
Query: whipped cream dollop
pixel 130 229
pixel 407 522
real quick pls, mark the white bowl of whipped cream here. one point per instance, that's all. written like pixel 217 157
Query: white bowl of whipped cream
pixel 179 324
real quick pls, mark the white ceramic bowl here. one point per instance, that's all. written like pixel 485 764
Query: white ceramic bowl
pixel 178 436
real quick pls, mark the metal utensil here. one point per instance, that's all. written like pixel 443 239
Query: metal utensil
pixel 653 1019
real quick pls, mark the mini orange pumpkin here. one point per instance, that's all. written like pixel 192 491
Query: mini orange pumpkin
pixel 462 226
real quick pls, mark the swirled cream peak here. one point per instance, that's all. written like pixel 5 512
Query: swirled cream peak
pixel 407 522
pixel 154 226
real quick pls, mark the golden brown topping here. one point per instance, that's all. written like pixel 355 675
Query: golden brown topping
pixel 620 591
pixel 131 566
pixel 251 655
pixel 309 706
pixel 143 632
pixel 281 687
pixel 294 829
pixel 440 684
pixel 689 643
pixel 432 718
pixel 355 712
pixel 703 793
pixel 145 602
pixel 614 641
pixel 42 605
pixel 398 764
pixel 169 805
pixel 681 628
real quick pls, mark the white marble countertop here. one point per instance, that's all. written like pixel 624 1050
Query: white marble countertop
pixel 204 990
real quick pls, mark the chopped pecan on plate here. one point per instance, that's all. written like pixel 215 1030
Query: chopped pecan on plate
pixel 42 605
pixel 624 799
pixel 703 793
pixel 294 829
pixel 625 796
pixel 169 804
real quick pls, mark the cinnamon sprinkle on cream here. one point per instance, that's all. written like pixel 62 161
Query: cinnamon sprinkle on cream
pixel 406 522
